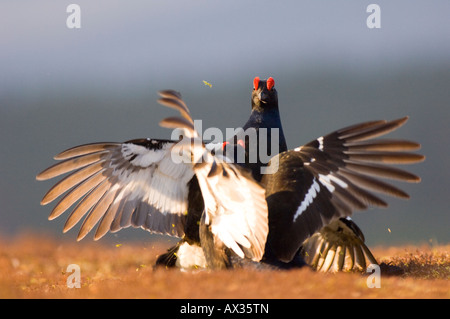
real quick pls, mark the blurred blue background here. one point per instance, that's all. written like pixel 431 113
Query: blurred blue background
pixel 62 87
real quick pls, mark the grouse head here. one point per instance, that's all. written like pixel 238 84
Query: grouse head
pixel 264 95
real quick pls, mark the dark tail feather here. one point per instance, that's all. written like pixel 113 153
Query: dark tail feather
pixel 169 259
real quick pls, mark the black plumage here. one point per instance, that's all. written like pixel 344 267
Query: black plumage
pixel 325 180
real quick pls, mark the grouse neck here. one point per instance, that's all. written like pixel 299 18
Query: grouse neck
pixel 259 117
pixel 269 119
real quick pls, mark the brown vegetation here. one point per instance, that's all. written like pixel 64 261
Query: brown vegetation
pixel 36 267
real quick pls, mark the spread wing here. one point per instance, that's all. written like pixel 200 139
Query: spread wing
pixel 120 185
pixel 332 176
pixel 339 246
pixel 235 206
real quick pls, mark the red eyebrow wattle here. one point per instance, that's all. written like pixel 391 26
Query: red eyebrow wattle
pixel 270 83
pixel 256 83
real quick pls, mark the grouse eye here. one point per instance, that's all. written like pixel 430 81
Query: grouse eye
pixel 256 83
pixel 270 83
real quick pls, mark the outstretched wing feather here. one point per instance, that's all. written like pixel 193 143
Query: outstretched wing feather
pixel 343 169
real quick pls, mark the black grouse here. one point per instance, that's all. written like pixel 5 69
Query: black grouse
pixel 312 190
pixel 159 185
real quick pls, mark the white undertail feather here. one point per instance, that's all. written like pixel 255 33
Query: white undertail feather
pixel 337 247
pixel 190 257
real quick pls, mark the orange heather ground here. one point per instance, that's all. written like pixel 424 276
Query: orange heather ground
pixel 35 267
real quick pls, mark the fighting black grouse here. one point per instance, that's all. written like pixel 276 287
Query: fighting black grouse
pixel 307 189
